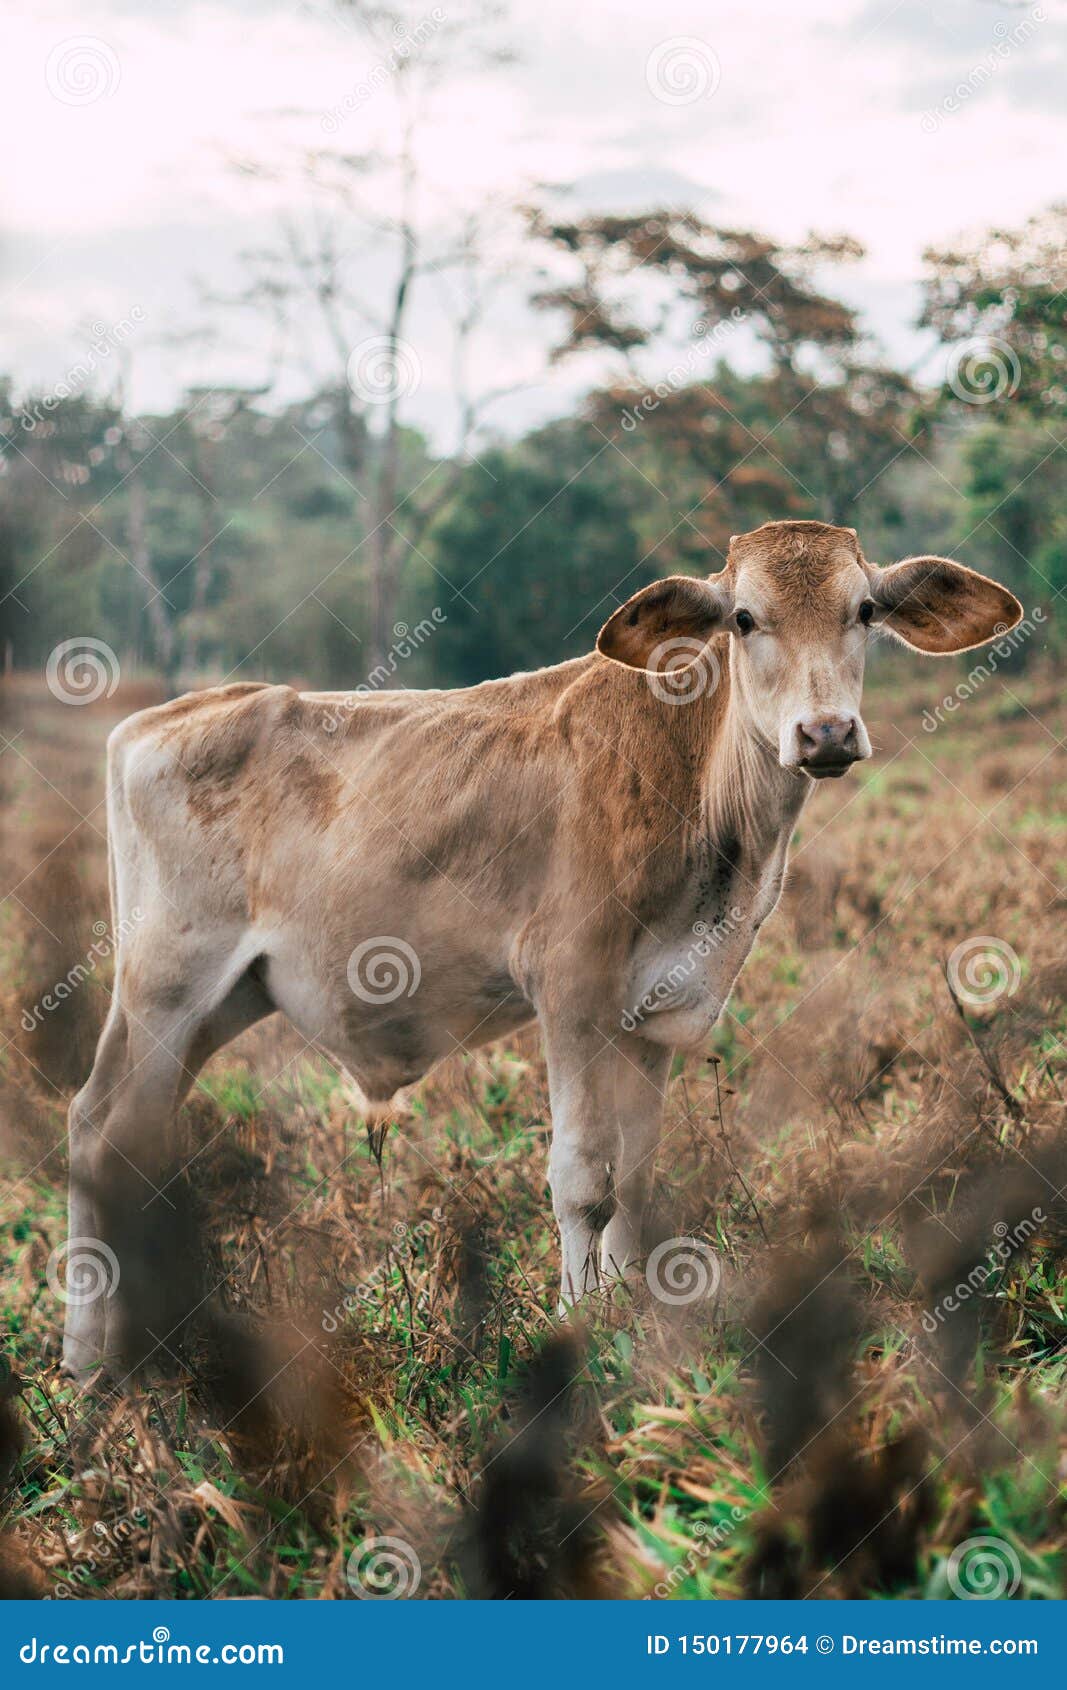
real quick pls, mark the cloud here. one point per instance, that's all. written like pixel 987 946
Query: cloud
pixel 814 119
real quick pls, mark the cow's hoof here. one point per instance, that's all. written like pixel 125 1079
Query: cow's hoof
pixel 84 1367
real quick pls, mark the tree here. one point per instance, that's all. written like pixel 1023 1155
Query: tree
pixel 999 303
pixel 316 271
pixel 58 467
pixel 638 285
pixel 533 556
pixel 720 275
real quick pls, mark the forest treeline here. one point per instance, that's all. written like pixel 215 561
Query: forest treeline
pixel 325 542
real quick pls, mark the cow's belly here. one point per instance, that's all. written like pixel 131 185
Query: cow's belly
pixel 386 1017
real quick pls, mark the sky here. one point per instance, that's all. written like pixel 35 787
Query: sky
pixel 123 216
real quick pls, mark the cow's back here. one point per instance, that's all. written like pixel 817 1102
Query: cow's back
pixel 256 802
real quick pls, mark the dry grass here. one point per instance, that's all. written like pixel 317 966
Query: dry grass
pixel 849 1146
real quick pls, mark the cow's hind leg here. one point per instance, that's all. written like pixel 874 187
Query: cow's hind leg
pixel 86 1313
pixel 123 1221
pixel 118 1148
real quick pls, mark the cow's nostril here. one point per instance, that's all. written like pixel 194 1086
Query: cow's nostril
pixel 827 739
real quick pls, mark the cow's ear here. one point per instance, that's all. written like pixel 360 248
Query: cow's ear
pixel 663 623
pixel 939 606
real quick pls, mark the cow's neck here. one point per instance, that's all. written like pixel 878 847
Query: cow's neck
pixel 750 803
pixel 690 951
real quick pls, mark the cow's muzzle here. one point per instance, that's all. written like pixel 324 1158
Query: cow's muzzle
pixel 825 747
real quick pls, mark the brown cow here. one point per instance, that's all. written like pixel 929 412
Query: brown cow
pixel 410 874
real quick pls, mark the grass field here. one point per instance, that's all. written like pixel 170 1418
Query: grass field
pixel 853 1146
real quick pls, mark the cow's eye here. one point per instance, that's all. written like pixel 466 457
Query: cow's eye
pixel 745 622
pixel 866 611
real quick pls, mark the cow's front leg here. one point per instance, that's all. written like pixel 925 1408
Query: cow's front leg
pixel 641 1089
pixel 606 1095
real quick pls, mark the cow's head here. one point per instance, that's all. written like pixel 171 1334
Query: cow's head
pixel 801 600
